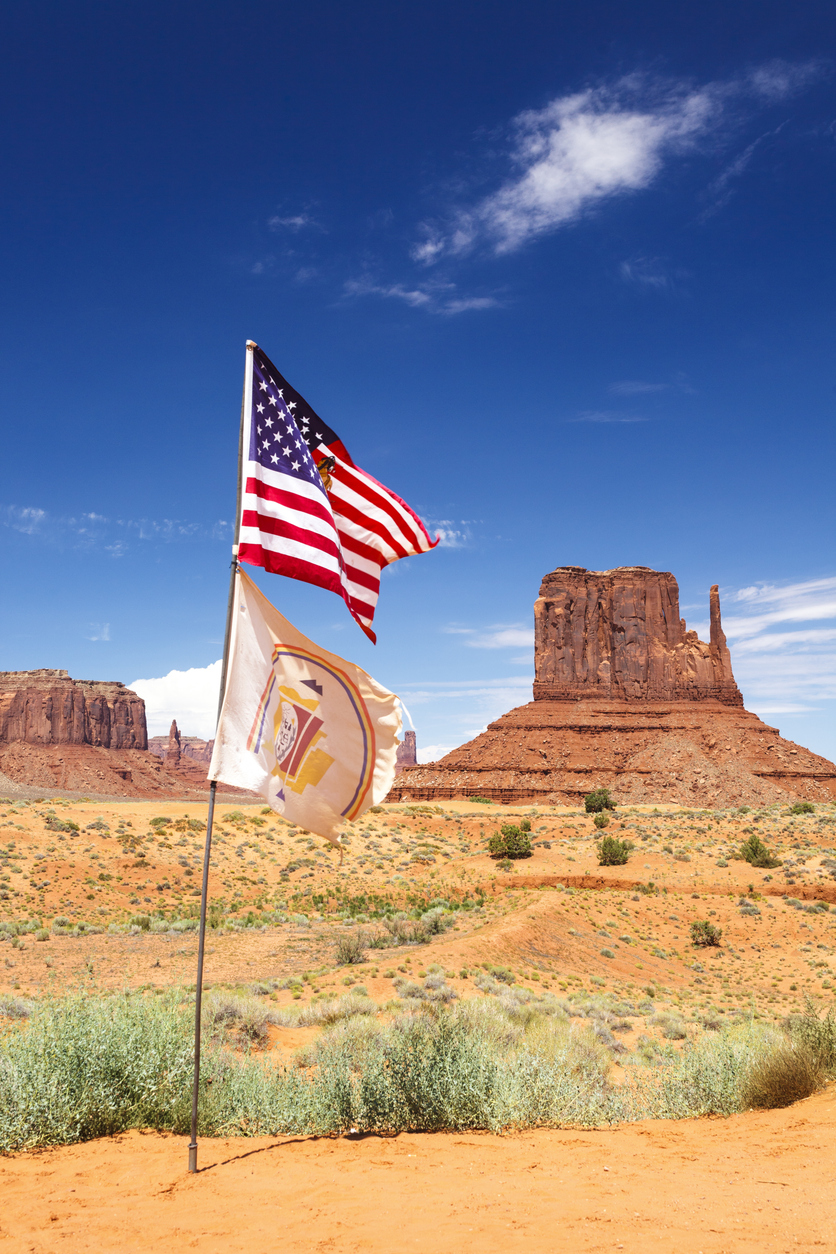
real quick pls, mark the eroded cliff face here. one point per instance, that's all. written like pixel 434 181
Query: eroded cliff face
pixel 617 634
pixel 47 707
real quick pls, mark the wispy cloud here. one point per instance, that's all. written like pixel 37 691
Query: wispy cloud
pixel 635 387
pixel 452 533
pixel 782 669
pixel 436 298
pixel 100 631
pixel 605 415
pixel 114 536
pixel 294 222
pixel 650 272
pixel 586 148
pixel 498 636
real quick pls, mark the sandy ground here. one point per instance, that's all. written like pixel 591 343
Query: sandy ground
pixel 759 1181
pixel 756 1182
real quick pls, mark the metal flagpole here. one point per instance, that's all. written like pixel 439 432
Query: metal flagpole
pixel 213 786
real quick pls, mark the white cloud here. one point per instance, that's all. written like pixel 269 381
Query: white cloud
pixel 190 697
pixel 588 147
pixel 24 518
pixel 512 637
pixel 434 297
pixel 783 669
pixel 635 387
pixel 293 222
pixel 604 416
pixel 101 631
pixel 431 753
pixel 648 272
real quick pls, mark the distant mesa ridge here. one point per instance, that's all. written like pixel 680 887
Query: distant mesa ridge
pixel 627 697
pixel 47 707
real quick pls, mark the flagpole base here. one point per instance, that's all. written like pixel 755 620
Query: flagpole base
pixel 193 1157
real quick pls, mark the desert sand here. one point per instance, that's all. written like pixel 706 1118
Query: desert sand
pixel 761 1180
pixel 755 1182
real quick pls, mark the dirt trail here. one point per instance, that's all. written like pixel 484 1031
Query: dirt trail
pixel 759 1181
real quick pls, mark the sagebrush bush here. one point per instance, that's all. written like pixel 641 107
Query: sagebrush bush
pixel 601 820
pixel 802 807
pixel 613 852
pixel 351 948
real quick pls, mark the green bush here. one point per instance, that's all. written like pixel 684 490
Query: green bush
pixel 705 934
pixel 612 851
pixel 511 841
pixel 601 820
pixel 755 852
pixel 599 799
pixel 484 801
pixel 802 807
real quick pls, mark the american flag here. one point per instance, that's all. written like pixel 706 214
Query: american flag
pixel 306 510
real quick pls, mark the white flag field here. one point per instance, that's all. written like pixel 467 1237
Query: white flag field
pixel 314 734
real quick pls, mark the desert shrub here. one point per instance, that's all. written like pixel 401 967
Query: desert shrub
pixel 755 852
pixel 511 841
pixel 54 824
pixel 784 1075
pixel 817 1033
pixel 599 799
pixel 802 807
pixel 613 852
pixel 15 1007
pixel 705 934
pixel 332 1010
pixel 87 1067
pixel 437 920
pixel 351 948
pixel 402 930
pixel 159 822
pixel 485 801
pixel 601 820
pixel 233 1017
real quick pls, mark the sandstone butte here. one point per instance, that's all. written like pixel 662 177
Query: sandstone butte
pixel 626 697
pixel 89 736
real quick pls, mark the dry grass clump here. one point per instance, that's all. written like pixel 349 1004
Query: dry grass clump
pixel 785 1074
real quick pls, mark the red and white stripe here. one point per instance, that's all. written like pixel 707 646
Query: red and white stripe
pixel 339 539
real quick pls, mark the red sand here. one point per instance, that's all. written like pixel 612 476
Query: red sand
pixel 756 1182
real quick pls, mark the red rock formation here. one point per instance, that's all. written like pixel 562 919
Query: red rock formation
pixel 191 747
pixel 407 753
pixel 617 634
pixel 46 707
pixel 172 753
pixel 627 697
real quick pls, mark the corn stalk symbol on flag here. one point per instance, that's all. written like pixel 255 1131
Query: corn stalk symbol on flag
pixel 314 734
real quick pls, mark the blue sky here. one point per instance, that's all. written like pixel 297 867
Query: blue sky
pixel 561 276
